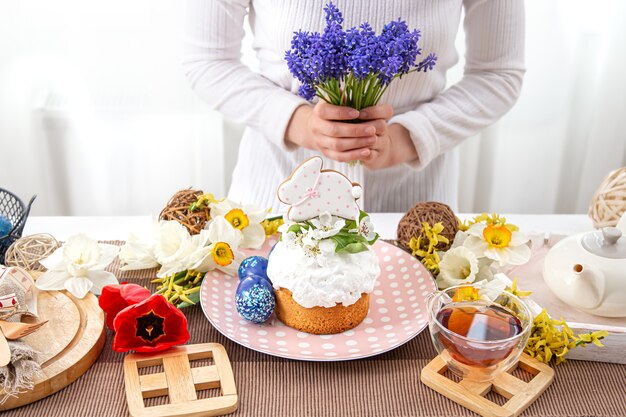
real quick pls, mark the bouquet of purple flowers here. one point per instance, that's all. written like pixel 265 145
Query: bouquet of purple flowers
pixel 353 67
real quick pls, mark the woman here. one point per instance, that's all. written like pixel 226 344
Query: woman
pixel 406 143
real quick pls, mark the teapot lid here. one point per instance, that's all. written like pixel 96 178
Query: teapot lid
pixel 608 243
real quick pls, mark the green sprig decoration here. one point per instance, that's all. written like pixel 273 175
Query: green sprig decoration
pixel 181 289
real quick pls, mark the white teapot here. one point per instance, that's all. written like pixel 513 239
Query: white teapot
pixel 588 271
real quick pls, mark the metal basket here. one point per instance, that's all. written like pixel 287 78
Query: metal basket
pixel 15 210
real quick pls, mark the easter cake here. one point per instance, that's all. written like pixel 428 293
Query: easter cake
pixel 322 269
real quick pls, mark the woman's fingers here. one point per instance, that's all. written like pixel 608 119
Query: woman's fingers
pixel 348 156
pixel 347 144
pixel 328 111
pixel 344 130
pixel 380 111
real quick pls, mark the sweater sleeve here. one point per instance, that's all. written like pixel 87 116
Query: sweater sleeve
pixel 211 62
pixel 490 86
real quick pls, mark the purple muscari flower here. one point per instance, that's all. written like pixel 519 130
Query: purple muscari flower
pixel 306 91
pixel 427 63
pixel 333 14
pixel 316 58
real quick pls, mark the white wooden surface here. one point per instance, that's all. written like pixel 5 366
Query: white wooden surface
pixel 118 227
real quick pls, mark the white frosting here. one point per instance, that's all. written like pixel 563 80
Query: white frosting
pixel 324 279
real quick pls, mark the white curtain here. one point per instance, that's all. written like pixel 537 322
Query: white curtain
pixel 97 119
pixel 567 131
pixel 96 116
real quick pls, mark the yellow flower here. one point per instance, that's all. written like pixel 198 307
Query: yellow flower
pixel 237 218
pixel 497 236
pixel 246 220
pixel 222 254
pixel 203 201
pixel 497 242
pixel 517 292
pixel 465 293
pixel 593 337
pixel 271 225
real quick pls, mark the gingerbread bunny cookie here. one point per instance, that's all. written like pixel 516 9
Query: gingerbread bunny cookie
pixel 311 191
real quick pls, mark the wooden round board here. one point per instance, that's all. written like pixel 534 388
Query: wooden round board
pixel 69 343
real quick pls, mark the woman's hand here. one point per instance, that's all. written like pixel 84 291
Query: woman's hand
pixel 324 128
pixel 393 142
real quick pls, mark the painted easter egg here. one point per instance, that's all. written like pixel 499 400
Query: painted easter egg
pixel 255 299
pixel 6 226
pixel 253 265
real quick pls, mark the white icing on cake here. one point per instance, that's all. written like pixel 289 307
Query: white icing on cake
pixel 324 279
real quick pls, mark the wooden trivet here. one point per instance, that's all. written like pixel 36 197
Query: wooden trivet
pixel 471 394
pixel 180 381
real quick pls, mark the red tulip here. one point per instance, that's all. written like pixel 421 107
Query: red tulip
pixel 115 298
pixel 150 326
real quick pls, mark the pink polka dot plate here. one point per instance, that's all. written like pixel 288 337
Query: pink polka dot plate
pixel 397 313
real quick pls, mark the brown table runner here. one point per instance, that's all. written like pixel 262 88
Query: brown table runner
pixel 384 385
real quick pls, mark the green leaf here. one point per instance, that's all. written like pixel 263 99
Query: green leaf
pixel 371 242
pixel 295 228
pixel 355 247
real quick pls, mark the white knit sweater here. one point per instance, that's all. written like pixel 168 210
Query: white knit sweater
pixel 438 120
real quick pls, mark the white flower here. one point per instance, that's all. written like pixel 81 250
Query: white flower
pixel 327 225
pixel 499 243
pixel 246 219
pixel 458 266
pixel 490 290
pixel 174 246
pixel 223 252
pixel 366 228
pixel 137 253
pixel 78 267
pixel 486 269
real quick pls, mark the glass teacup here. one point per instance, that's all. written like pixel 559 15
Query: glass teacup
pixel 478 337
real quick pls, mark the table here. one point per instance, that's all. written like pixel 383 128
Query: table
pixel 385 385
pixel 112 228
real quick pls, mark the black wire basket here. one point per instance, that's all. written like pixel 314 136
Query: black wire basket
pixel 16 211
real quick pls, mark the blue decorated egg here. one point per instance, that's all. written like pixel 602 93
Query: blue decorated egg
pixel 247 282
pixel 6 226
pixel 254 299
pixel 253 265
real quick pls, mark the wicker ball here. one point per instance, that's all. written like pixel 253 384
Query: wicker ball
pixel 27 251
pixel 609 203
pixel 178 209
pixel 432 212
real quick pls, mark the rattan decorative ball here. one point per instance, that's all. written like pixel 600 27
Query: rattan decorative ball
pixel 609 203
pixel 178 209
pixel 27 251
pixel 432 212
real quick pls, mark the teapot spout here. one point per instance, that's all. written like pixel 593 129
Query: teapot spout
pixel 589 285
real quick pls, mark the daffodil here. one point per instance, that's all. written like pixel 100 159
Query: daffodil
pixel 457 266
pixel 223 252
pixel 175 249
pixel 137 253
pixel 499 243
pixel 78 267
pixel 245 219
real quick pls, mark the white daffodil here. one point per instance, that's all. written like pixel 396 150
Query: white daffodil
pixel 499 243
pixel 458 266
pixel 174 245
pixel 490 290
pixel 137 253
pixel 223 252
pixel 246 219
pixel 327 225
pixel 78 267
